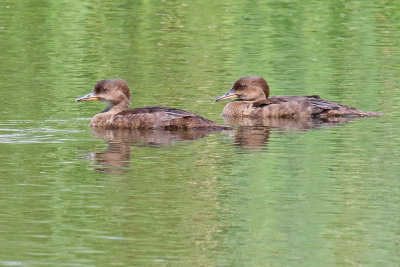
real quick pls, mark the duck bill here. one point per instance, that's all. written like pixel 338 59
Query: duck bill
pixel 88 97
pixel 226 96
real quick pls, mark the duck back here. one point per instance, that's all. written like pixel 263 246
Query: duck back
pixel 292 107
pixel 156 118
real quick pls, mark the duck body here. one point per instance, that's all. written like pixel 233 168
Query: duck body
pixel 151 118
pixel 254 101
pixel 292 107
pixel 118 115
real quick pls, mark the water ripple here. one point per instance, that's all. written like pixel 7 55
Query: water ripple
pixel 28 132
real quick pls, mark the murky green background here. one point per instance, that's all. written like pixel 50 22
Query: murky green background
pixel 248 197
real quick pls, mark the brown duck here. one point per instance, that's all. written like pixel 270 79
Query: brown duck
pixel 117 115
pixel 252 93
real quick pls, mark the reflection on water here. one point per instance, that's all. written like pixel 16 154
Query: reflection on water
pixel 250 134
pixel 139 137
pixel 285 124
pixel 118 153
pixel 253 134
pixel 252 139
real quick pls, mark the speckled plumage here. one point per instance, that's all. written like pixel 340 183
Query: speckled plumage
pixel 118 115
pixel 254 101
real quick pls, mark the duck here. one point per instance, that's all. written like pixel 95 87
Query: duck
pixel 118 115
pixel 252 100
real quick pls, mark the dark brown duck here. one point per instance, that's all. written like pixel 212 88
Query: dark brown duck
pixel 117 115
pixel 252 93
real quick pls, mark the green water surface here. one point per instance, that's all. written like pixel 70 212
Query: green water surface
pixel 258 196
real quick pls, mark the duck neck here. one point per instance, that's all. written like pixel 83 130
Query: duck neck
pixel 256 94
pixel 253 98
pixel 114 108
pixel 261 96
pixel 100 120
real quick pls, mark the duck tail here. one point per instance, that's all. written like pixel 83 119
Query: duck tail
pixel 370 114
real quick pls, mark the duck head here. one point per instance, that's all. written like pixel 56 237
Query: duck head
pixel 113 92
pixel 249 88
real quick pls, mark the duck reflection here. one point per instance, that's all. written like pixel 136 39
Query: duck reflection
pixel 285 124
pixel 117 156
pixel 253 134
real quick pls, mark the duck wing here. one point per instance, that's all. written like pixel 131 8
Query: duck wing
pixel 269 101
pixel 305 106
pixel 327 109
pixel 279 107
pixel 160 118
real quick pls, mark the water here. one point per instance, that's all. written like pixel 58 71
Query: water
pixel 291 194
